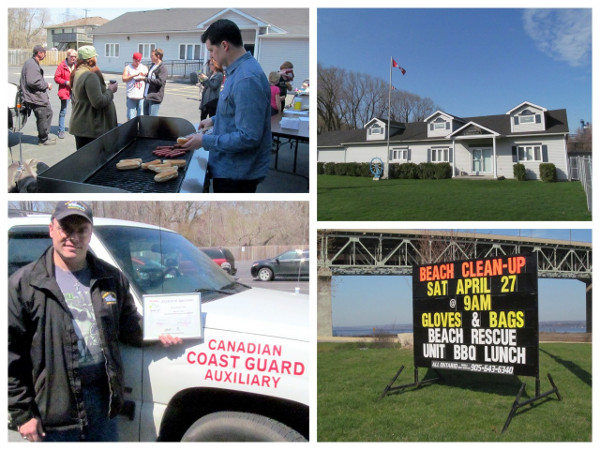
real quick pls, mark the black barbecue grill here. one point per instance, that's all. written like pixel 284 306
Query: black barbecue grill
pixel 92 168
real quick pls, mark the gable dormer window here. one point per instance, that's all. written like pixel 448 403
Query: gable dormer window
pixel 439 124
pixel 376 129
pixel 526 117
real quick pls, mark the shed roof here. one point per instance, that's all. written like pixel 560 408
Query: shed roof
pixel 97 21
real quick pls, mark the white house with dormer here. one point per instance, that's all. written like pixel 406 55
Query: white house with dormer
pixel 486 146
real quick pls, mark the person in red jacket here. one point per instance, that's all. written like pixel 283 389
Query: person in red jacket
pixel 62 77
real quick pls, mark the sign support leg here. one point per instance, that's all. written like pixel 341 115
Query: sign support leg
pixel 516 404
pixel 416 382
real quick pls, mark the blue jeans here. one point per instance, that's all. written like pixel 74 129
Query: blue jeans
pixel 100 428
pixel 135 108
pixel 151 108
pixel 62 114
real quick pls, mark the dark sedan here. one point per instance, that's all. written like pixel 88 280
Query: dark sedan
pixel 293 263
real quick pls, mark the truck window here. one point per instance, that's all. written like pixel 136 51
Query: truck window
pixel 164 262
pixel 26 244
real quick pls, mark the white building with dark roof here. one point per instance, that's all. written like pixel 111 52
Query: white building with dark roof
pixel 474 146
pixel 271 35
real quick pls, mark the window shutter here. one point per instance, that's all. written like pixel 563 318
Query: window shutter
pixel 450 155
pixel 428 155
pixel 430 127
pixel 544 153
pixel 514 154
pixel 408 154
pixel 516 120
pixel 447 125
pixel 538 118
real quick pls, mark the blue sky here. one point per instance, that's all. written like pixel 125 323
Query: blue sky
pixel 387 300
pixel 470 62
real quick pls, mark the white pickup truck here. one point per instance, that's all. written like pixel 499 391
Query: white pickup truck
pixel 246 379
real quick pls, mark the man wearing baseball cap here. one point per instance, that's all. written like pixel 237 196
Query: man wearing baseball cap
pixel 35 94
pixel 134 75
pixel 67 312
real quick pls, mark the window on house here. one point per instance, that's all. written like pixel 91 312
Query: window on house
pixel 439 125
pixel 526 119
pixel 376 129
pixel 399 154
pixel 440 155
pixel 111 50
pixel 530 152
pixel 146 50
pixel 527 116
pixel 189 51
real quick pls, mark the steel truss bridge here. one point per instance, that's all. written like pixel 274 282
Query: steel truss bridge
pixel 394 252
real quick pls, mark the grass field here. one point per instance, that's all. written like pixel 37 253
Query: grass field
pixel 464 407
pixel 361 198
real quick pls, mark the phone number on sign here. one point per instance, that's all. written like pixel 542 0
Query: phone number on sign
pixel 484 368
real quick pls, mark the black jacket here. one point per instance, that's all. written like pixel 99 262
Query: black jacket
pixel 156 82
pixel 43 362
pixel 33 84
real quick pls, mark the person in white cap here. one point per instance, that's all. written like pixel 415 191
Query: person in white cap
pixel 94 111
pixel 67 313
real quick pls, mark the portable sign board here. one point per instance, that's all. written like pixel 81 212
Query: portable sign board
pixel 477 315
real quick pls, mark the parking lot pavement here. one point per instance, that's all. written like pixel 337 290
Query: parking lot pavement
pixel 182 99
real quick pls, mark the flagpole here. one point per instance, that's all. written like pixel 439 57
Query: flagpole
pixel 387 158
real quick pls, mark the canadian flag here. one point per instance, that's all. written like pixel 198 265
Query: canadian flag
pixel 395 64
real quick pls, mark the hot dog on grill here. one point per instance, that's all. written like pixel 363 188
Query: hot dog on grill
pixel 175 162
pixel 166 175
pixel 149 163
pixel 128 164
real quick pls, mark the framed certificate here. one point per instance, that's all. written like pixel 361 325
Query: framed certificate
pixel 176 314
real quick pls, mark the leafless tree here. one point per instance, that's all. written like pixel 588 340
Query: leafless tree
pixel 329 97
pixel 209 224
pixel 26 27
pixel 349 100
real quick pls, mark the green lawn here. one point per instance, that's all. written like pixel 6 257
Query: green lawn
pixel 361 198
pixel 464 407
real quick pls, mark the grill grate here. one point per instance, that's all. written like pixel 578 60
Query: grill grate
pixel 138 180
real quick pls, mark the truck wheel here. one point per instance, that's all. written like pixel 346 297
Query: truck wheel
pixel 265 274
pixel 230 426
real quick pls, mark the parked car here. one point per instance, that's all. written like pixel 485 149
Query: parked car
pixel 293 263
pixel 246 379
pixel 17 111
pixel 223 257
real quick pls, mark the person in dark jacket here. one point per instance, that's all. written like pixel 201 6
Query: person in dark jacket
pixel 67 312
pixel 35 94
pixel 155 84
pixel 93 111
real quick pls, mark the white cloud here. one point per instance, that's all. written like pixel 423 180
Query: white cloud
pixel 563 34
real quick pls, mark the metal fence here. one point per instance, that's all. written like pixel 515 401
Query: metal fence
pixel 581 169
pixel 177 68
pixel 184 69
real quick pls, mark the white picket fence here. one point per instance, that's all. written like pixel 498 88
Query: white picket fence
pixel 581 169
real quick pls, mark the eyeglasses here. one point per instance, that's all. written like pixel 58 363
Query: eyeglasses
pixel 82 232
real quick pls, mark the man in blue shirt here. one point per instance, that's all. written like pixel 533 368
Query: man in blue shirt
pixel 240 144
